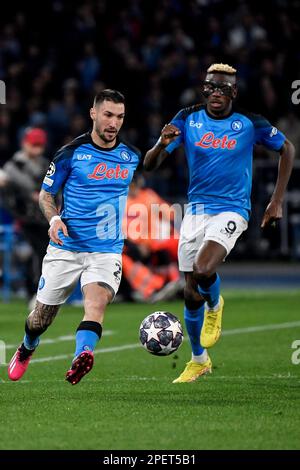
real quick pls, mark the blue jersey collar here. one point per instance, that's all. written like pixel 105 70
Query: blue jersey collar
pixel 105 149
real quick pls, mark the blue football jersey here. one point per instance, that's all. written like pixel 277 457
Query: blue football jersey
pixel 94 183
pixel 219 154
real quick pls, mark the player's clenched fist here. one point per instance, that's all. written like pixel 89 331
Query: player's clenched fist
pixel 55 227
pixel 168 134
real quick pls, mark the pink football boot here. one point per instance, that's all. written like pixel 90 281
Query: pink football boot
pixel 81 365
pixel 19 363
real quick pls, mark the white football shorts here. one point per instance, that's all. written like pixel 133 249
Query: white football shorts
pixel 223 228
pixel 62 270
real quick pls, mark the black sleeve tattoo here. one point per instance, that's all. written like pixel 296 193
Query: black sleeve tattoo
pixel 47 204
pixel 42 316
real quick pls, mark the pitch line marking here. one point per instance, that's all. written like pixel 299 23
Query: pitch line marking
pixel 250 329
pixel 59 339
pixel 97 351
pixel 254 329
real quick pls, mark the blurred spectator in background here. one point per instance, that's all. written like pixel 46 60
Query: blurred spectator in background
pixel 155 52
pixel 150 268
pixel 21 178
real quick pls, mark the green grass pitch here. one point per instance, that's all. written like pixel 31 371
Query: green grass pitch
pixel 128 401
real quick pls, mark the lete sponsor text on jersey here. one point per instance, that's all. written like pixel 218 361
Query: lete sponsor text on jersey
pixel 208 140
pixel 101 171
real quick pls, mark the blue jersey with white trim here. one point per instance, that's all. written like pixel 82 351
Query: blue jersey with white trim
pixel 94 183
pixel 219 153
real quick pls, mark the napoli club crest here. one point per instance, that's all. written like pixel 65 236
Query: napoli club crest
pixel 41 283
pixel 237 126
pixel 125 156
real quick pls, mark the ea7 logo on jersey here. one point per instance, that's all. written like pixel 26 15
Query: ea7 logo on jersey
pixel 51 169
pixel 83 156
pixel 196 124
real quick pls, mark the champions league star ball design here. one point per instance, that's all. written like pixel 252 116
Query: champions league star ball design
pixel 161 333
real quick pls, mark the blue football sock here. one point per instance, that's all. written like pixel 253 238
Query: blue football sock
pixel 193 322
pixel 211 293
pixel 32 338
pixel 87 336
pixel 31 342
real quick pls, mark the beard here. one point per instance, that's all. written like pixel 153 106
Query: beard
pixel 102 135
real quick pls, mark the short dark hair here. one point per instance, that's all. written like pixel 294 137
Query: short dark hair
pixel 109 95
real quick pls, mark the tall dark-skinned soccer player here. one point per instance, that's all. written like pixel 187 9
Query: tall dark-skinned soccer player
pixel 218 140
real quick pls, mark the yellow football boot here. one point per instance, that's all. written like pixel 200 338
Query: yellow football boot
pixel 193 370
pixel 212 325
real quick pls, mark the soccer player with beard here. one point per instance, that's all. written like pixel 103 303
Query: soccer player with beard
pixel 94 172
pixel 218 141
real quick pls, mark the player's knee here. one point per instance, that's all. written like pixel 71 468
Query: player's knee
pixel 203 271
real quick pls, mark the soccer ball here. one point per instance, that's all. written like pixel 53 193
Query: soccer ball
pixel 161 333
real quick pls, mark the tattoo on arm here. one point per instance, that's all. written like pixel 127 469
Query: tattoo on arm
pixel 47 204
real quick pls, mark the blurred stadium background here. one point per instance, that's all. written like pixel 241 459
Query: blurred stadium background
pixel 156 53
pixel 54 56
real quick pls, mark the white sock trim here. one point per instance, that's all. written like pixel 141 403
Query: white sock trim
pixel 215 308
pixel 201 358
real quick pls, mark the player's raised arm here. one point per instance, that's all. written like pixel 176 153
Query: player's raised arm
pixel 155 156
pixel 273 211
